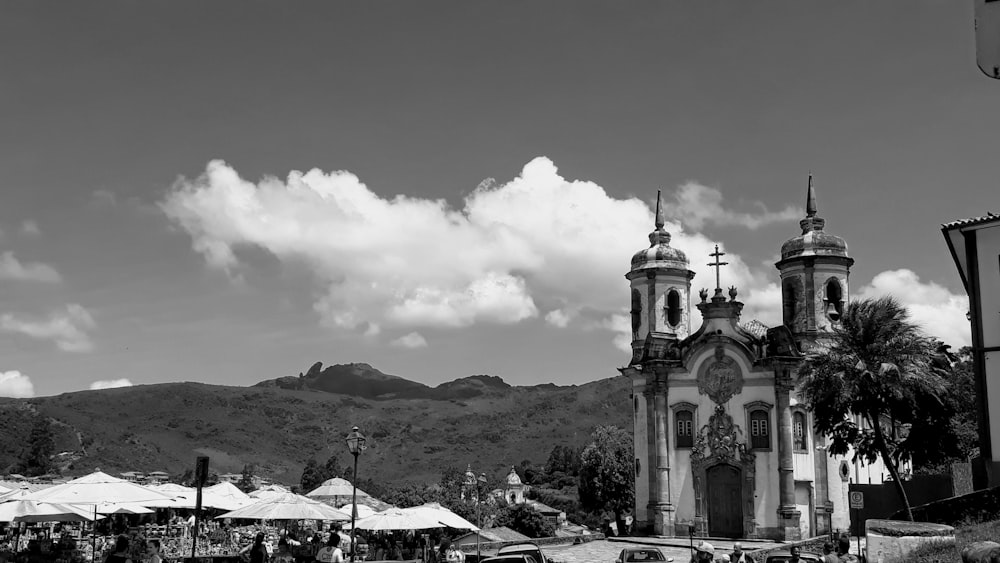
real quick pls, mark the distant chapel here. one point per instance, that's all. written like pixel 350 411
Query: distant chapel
pixel 721 441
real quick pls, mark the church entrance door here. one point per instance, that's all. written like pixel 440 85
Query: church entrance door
pixel 725 501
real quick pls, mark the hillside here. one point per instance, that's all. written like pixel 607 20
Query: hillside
pixel 414 431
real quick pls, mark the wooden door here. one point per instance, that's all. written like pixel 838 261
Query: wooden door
pixel 725 501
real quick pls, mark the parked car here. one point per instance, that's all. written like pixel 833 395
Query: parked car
pixel 784 556
pixel 641 554
pixel 510 558
pixel 525 548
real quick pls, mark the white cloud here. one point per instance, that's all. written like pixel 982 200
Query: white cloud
pixel 15 384
pixel 412 340
pixel 559 317
pixel 30 228
pixel 13 269
pixel 937 310
pixel 539 241
pixel 110 384
pixel 68 328
pixel 696 205
pixel 103 198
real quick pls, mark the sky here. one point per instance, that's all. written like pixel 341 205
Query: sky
pixel 228 192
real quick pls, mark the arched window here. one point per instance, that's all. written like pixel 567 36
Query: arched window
pixel 635 400
pixel 800 432
pixel 684 428
pixel 789 301
pixel 760 430
pixel 673 307
pixel 834 300
pixel 636 313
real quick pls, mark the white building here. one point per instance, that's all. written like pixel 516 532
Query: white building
pixel 975 247
pixel 721 440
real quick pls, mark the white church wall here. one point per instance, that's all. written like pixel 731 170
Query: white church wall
pixel 988 246
pixel 640 450
pixel 683 390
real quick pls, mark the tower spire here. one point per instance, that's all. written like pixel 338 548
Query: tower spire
pixel 659 213
pixel 810 198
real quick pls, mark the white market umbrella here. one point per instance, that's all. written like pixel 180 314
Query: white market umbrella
pixel 335 487
pixel 115 508
pixel 288 506
pixel 98 488
pixel 364 511
pixel 32 511
pixel 397 519
pixel 225 496
pixel 444 516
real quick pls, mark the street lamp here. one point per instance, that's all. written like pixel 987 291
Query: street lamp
pixel 355 443
pixel 479 518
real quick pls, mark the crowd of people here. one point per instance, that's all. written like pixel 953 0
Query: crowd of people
pixel 705 552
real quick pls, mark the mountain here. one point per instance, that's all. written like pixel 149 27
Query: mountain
pixel 364 381
pixel 414 431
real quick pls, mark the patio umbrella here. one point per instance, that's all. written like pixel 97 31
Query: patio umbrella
pixel 444 516
pixel 116 508
pixel 397 519
pixel 335 487
pixel 98 488
pixel 288 506
pixel 225 496
pixel 363 510
pixel 32 511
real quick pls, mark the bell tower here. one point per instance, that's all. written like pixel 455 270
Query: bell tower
pixel 660 284
pixel 814 269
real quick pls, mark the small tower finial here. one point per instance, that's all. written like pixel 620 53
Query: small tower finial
pixel 810 198
pixel 659 212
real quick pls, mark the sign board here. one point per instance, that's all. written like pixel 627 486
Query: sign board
pixel 857 500
pixel 987 25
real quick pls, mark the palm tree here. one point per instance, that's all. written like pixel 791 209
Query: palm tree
pixel 875 367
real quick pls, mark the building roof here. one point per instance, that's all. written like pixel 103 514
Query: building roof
pixel 543 508
pixel 956 240
pixel 659 254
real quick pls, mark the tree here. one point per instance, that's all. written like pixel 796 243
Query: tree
pixel 524 519
pixel 312 475
pixel 949 432
pixel 246 482
pixel 876 369
pixel 41 446
pixel 607 480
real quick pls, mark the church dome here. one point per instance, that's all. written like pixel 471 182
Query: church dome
pixel 813 241
pixel 512 478
pixel 659 254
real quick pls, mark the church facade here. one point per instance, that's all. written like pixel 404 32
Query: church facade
pixel 722 442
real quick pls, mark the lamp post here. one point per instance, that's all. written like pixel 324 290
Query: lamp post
pixel 479 518
pixel 356 444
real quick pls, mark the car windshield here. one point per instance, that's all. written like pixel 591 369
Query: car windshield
pixel 644 555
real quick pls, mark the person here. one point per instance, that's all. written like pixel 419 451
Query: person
pixel 153 552
pixel 724 558
pixel 704 552
pixel 453 555
pixel 332 552
pixel 796 554
pixel 738 555
pixel 844 549
pixel 284 553
pixel 828 555
pixel 256 551
pixel 120 553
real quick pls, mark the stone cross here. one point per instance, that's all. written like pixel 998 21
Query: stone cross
pixel 717 265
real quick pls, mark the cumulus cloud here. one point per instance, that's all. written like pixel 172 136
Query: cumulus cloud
pixel 13 269
pixel 937 310
pixel 110 384
pixel 15 384
pixel 540 242
pixel 67 328
pixel 696 205
pixel 30 228
pixel 412 340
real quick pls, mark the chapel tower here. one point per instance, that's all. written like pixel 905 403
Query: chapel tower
pixel 814 270
pixel 660 284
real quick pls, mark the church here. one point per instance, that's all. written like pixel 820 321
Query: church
pixel 723 447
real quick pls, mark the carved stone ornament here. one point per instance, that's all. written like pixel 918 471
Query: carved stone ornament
pixel 720 440
pixel 721 379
